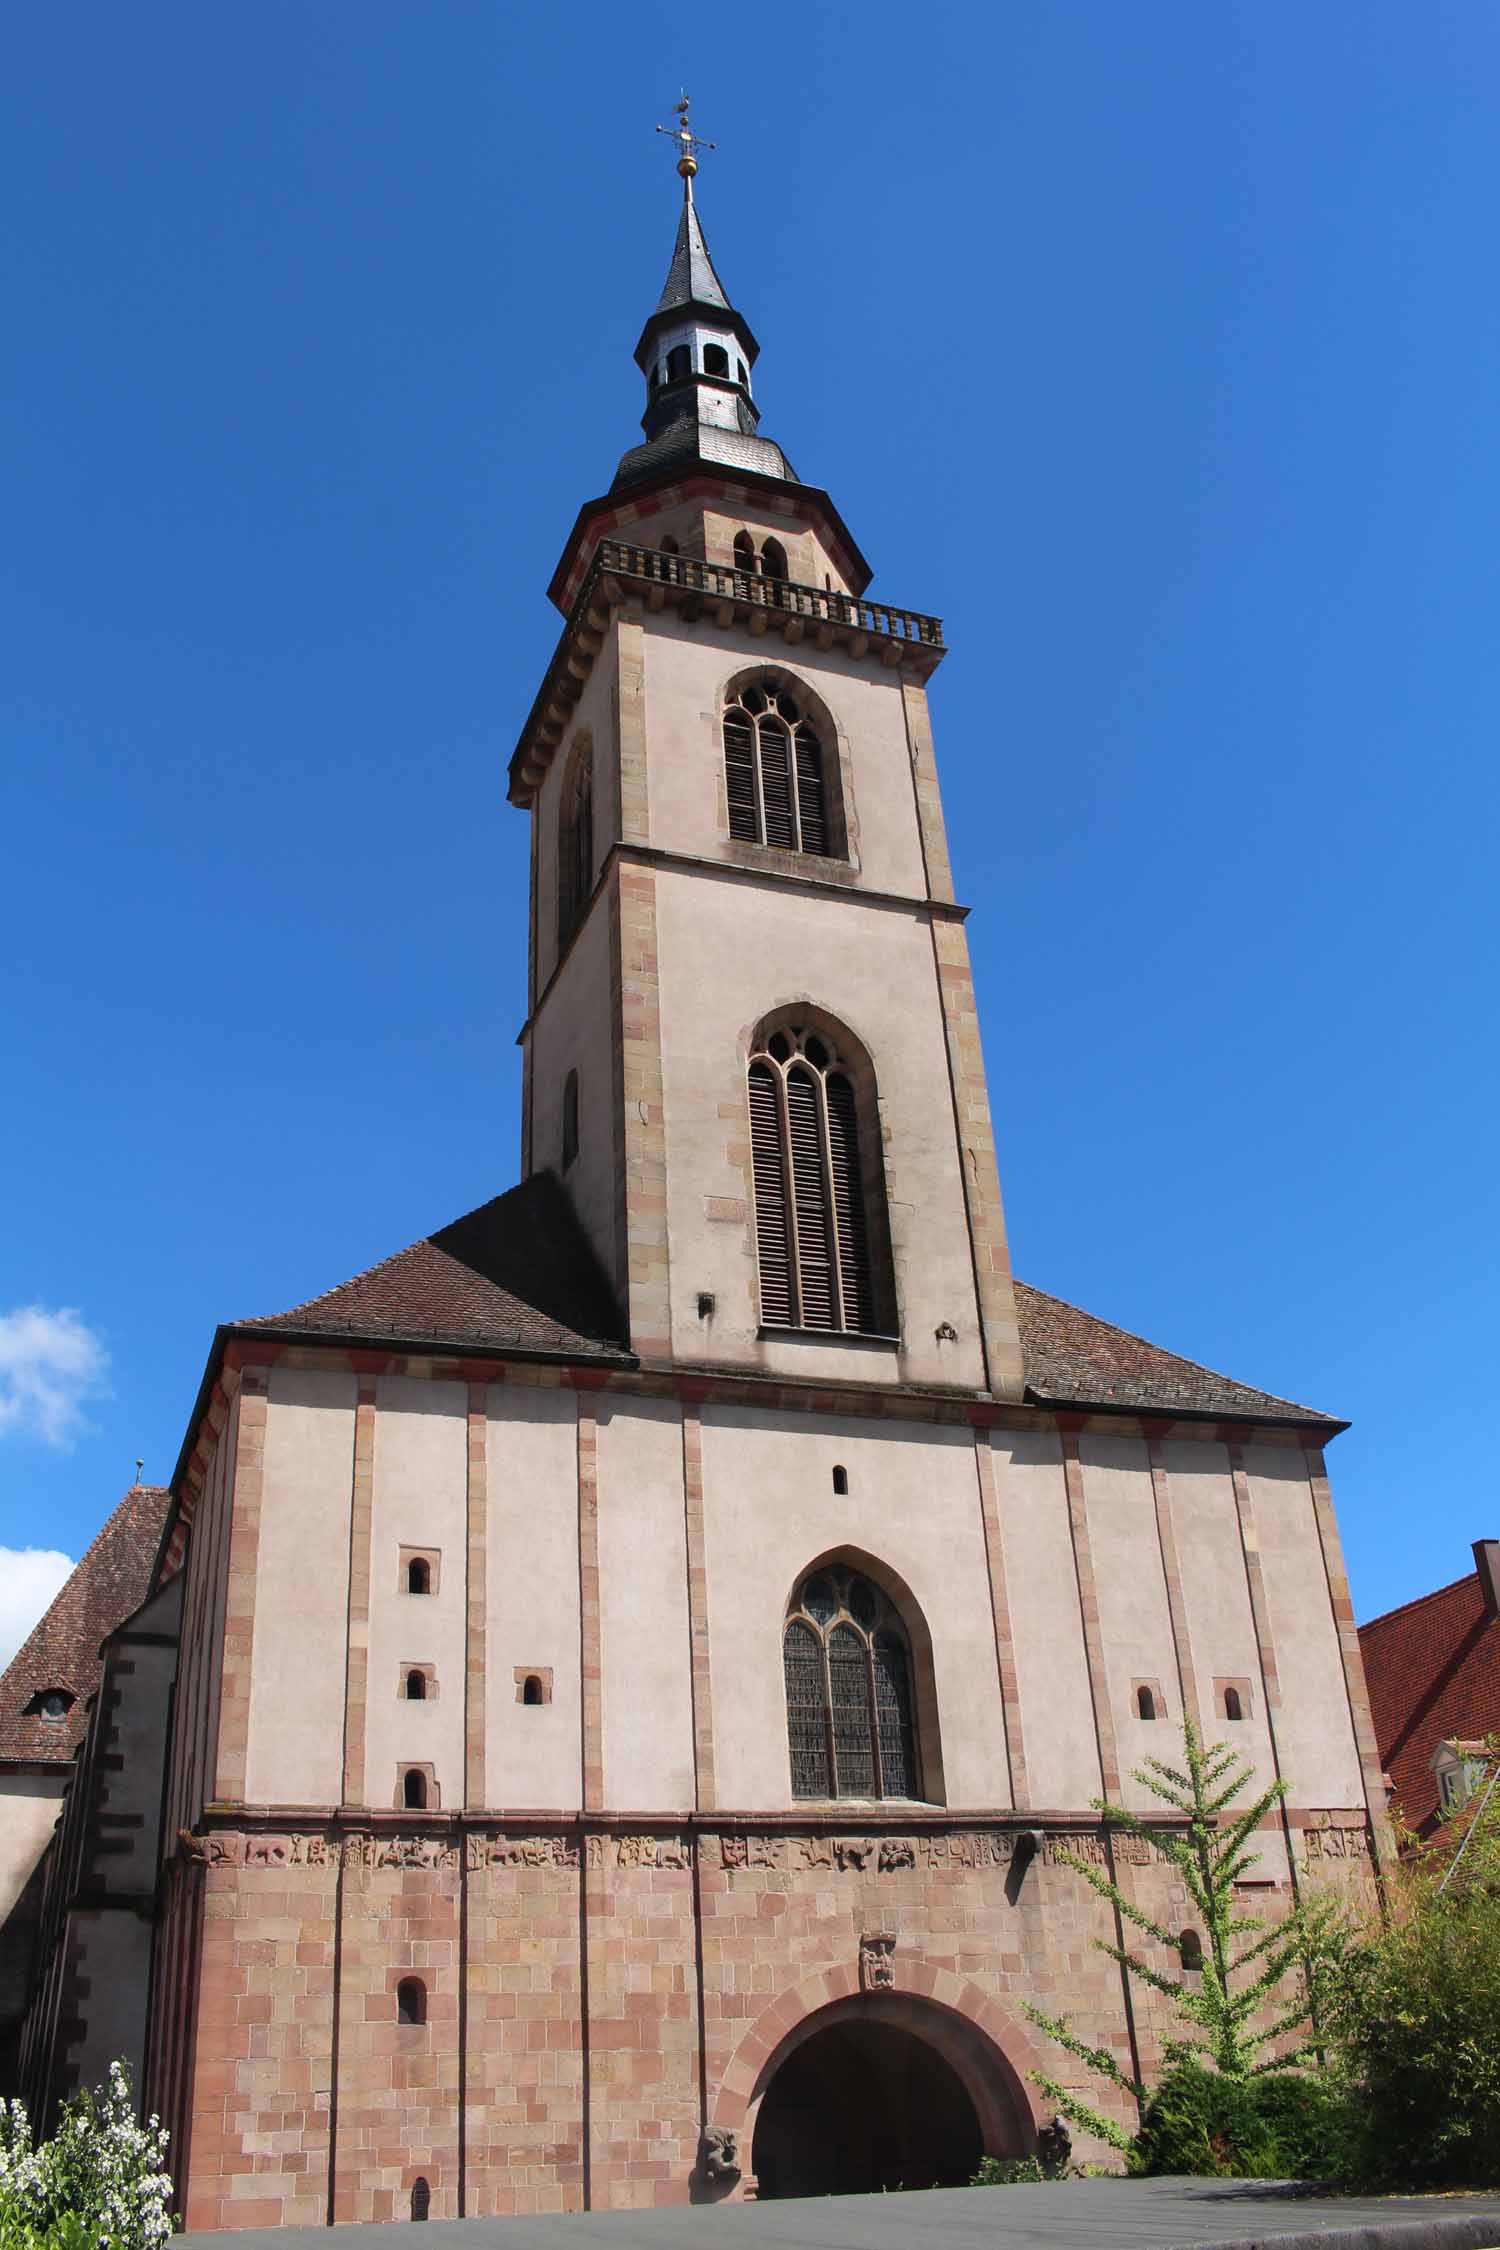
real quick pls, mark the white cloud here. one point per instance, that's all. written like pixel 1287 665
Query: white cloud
pixel 50 1363
pixel 29 1577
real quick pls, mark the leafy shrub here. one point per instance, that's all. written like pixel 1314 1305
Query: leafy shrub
pixel 1007 2171
pixel 1416 2023
pixel 1280 2126
pixel 100 2179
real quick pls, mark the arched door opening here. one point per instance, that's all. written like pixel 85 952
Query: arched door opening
pixel 860 2106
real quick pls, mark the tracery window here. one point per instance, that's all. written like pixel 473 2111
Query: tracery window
pixel 575 840
pixel 814 1196
pixel 774 772
pixel 848 1668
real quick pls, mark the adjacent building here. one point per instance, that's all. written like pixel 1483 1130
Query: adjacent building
pixel 1434 1672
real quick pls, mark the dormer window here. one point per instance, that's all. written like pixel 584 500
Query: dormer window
pixel 1460 1770
pixel 52 1704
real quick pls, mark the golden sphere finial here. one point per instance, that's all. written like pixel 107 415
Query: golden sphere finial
pixel 687 167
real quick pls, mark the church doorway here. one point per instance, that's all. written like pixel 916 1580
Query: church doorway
pixel 863 2105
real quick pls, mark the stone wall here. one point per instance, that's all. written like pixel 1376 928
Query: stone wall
pixel 604 1991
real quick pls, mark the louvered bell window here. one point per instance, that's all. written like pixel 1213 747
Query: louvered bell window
pixel 811 1224
pixel 849 1708
pixel 773 769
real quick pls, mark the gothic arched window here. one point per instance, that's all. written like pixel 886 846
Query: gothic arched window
pixel 744 551
pixel 575 840
pixel 774 772
pixel 772 559
pixel 849 1710
pixel 819 1194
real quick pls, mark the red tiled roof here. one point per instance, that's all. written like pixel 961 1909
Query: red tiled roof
pixel 62 1651
pixel 1433 1670
pixel 1074 1357
pixel 517 1271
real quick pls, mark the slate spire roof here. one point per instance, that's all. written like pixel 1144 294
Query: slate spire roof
pixel 519 1273
pixel 62 1651
pixel 691 279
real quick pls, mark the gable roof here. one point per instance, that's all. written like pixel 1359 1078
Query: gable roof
pixel 1433 1671
pixel 1073 1358
pixel 62 1651
pixel 518 1271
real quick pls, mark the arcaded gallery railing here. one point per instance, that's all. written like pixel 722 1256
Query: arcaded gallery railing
pixel 723 596
pixel 720 582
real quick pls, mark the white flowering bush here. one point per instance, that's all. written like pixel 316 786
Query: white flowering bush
pixel 100 2183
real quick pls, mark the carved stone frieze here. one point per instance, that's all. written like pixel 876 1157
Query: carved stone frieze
pixel 877 1967
pixel 1336 1839
pixel 522 1851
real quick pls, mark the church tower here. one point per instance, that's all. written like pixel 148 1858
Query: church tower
pixel 633 1671
pixel 752 1053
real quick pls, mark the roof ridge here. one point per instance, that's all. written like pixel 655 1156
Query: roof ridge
pixel 1435 1593
pixel 1314 1413
pixel 392 1257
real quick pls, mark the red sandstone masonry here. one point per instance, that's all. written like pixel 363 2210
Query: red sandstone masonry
pixel 476 1610
pixel 705 1787
pixel 981 1175
pixel 591 1662
pixel 1260 1614
pixel 357 1682
pixel 1005 1650
pixel 1383 1842
pixel 239 1600
pixel 1166 1535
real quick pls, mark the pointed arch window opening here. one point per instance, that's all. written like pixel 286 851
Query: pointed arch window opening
pixel 814 1238
pixel 850 1710
pixel 775 773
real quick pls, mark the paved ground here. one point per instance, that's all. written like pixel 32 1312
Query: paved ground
pixel 1075 2215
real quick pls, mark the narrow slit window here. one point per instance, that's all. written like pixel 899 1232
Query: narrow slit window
pixel 569 1119
pixel 532 1691
pixel 1190 1950
pixel 416 1686
pixel 419 1575
pixel 1145 1703
pixel 1233 1708
pixel 411 2001
pixel 841 1479
pixel 414 1790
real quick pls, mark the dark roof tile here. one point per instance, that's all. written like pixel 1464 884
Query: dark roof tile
pixel 62 1651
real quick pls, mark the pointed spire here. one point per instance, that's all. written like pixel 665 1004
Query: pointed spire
pixel 691 279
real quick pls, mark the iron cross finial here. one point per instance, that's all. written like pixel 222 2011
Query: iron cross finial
pixel 687 141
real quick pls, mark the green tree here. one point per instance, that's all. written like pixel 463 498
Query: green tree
pixel 1227 2007
pixel 1414 2020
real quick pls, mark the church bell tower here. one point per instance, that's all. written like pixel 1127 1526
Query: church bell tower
pixel 751 1050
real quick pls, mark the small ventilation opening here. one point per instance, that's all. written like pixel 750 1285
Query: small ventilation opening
pixel 841 1479
pixel 1190 1950
pixel 532 1691
pixel 416 1687
pixel 419 1575
pixel 1145 1703
pixel 414 1790
pixel 52 1703
pixel 421 2199
pixel 1233 1708
pixel 411 2001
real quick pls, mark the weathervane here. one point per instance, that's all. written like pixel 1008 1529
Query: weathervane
pixel 687 141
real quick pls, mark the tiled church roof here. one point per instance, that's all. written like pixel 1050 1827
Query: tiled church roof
pixel 519 1271
pixel 1073 1358
pixel 111 1581
pixel 1433 1668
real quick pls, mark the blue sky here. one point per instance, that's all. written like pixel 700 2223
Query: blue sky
pixel 1154 346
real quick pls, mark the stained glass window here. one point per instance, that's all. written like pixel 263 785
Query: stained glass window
pixel 850 1716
